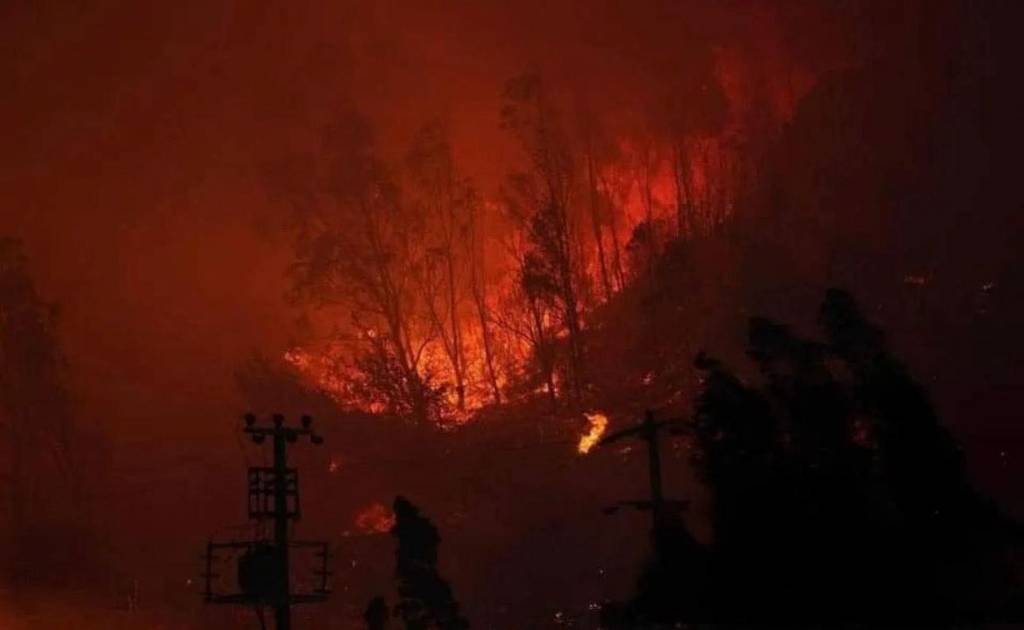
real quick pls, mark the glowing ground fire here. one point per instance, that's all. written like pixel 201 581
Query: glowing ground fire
pixel 598 424
pixel 375 519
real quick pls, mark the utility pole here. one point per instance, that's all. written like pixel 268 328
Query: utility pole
pixel 649 431
pixel 677 574
pixel 264 568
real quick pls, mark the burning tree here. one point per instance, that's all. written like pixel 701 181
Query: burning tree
pixel 601 154
pixel 437 318
pixel 478 280
pixel 534 293
pixel 693 114
pixel 448 204
pixel 363 252
pixel 540 199
pixel 401 253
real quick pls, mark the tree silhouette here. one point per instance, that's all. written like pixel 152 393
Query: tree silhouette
pixel 362 251
pixel 448 202
pixel 541 201
pixel 376 614
pixel 837 495
pixel 425 598
pixel 947 529
pixel 673 584
pixel 42 488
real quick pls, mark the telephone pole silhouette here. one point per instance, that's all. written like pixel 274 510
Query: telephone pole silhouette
pixel 648 430
pixel 264 568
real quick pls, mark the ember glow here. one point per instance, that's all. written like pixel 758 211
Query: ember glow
pixel 375 518
pixel 598 425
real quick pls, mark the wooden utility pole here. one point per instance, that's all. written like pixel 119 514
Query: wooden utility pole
pixel 264 566
pixel 649 431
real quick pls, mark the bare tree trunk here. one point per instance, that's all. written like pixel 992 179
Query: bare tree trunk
pixel 479 288
pixel 682 224
pixel 457 358
pixel 390 299
pixel 570 302
pixel 457 355
pixel 451 339
pixel 575 351
pixel 480 298
pixel 620 273
pixel 706 198
pixel 407 362
pixel 595 220
pixel 652 245
pixel 543 350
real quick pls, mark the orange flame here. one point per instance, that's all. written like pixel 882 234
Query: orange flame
pixel 598 425
pixel 646 185
pixel 376 518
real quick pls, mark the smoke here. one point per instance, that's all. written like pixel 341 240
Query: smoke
pixel 140 138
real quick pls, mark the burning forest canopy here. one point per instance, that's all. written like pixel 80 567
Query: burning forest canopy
pixel 472 240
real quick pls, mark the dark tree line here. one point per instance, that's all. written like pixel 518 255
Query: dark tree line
pixel 42 487
pixel 838 496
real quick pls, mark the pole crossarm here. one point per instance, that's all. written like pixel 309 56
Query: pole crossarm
pixel 643 505
pixel 318 593
pixel 279 430
pixel 649 430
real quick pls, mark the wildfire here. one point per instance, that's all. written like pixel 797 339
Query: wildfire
pixel 321 369
pixel 472 346
pixel 375 519
pixel 598 424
